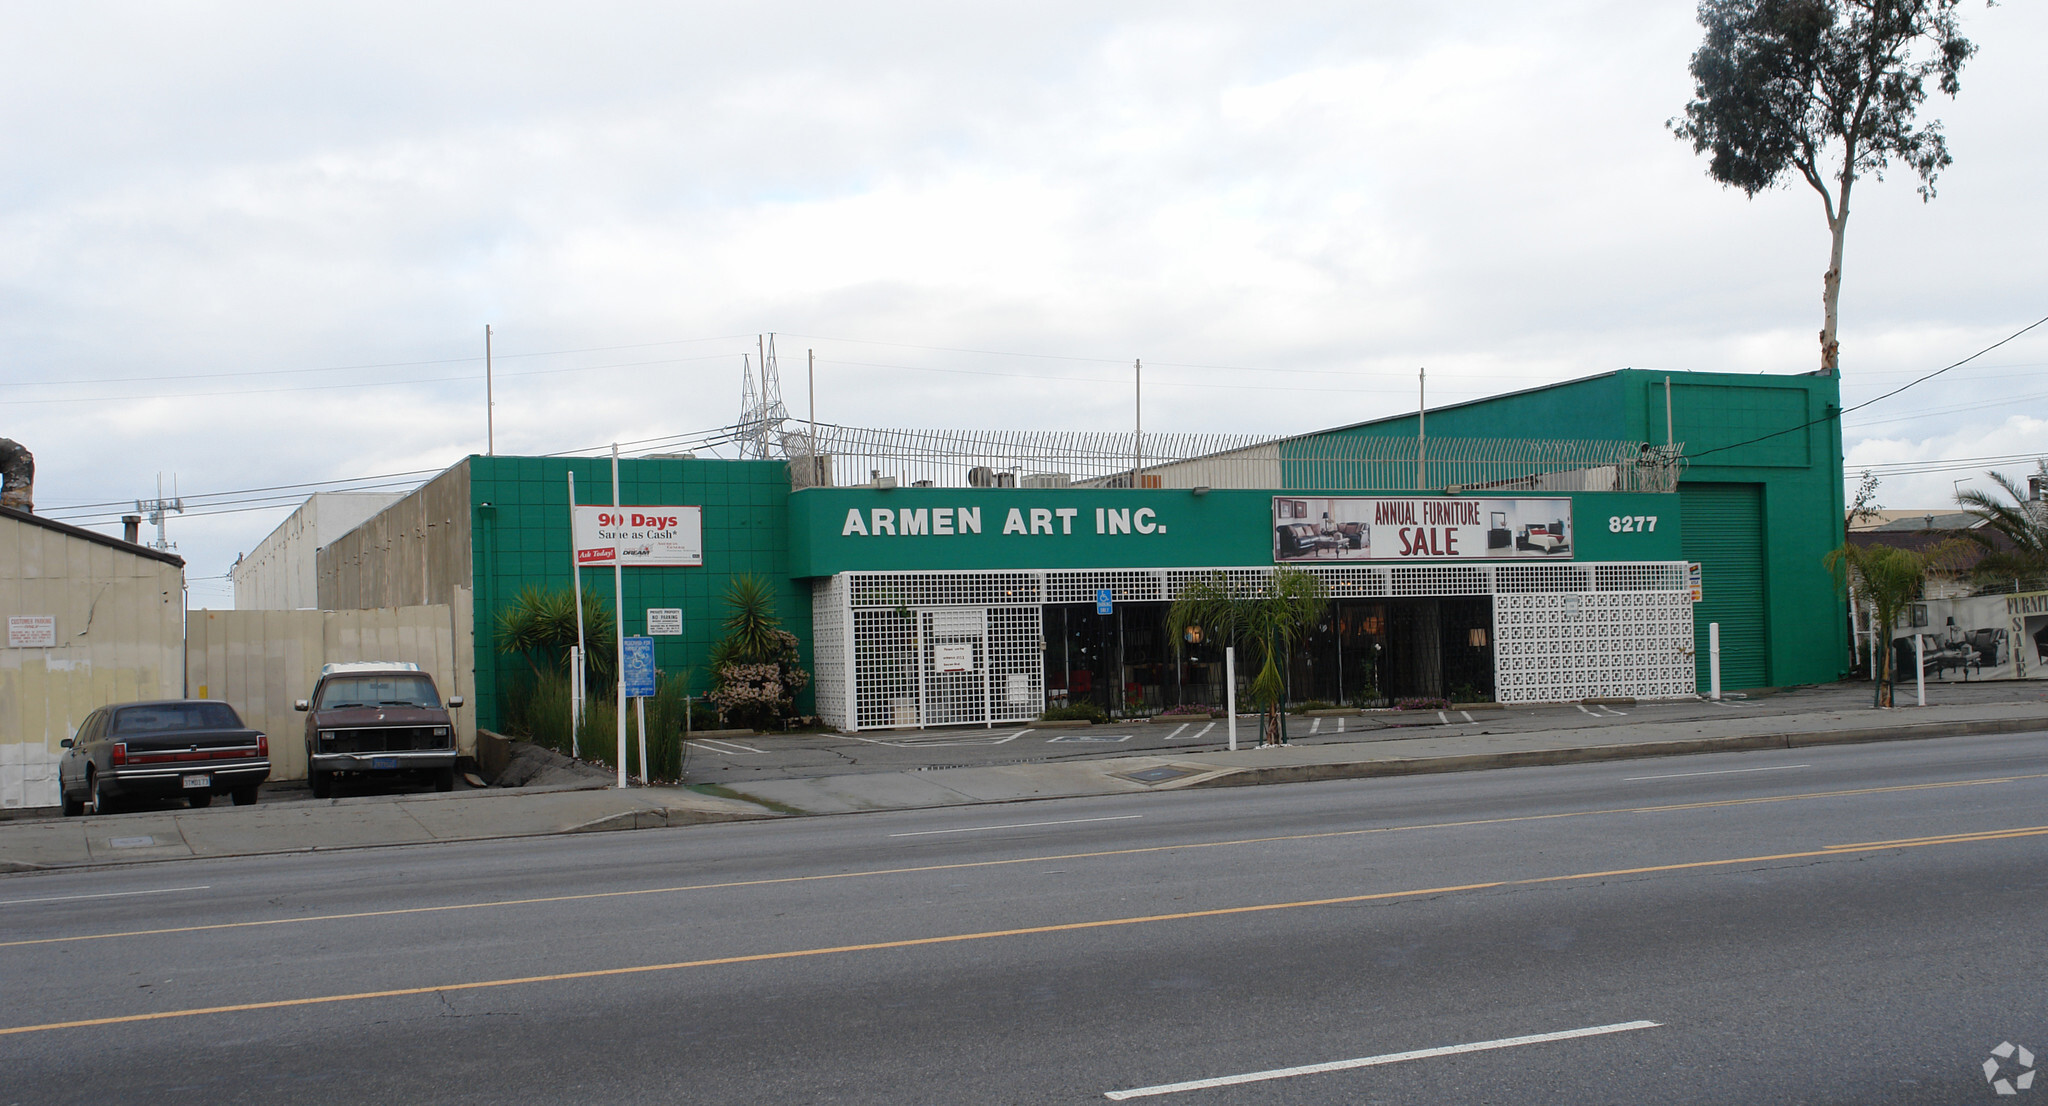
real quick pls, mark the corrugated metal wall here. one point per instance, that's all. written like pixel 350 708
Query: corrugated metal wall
pixel 261 661
pixel 120 621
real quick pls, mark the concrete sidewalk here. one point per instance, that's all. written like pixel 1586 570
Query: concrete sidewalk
pixel 370 821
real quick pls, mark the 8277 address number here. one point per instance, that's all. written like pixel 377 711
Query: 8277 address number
pixel 1631 524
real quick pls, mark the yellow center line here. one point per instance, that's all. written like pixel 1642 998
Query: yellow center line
pixel 985 935
pixel 870 873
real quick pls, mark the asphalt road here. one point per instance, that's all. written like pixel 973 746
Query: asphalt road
pixel 1848 924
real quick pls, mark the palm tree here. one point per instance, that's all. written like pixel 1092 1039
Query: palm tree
pixel 1892 579
pixel 2023 523
pixel 1267 620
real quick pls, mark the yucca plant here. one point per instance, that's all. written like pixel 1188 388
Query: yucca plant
pixel 540 625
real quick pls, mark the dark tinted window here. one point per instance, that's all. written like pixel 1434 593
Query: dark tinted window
pixel 377 691
pixel 166 717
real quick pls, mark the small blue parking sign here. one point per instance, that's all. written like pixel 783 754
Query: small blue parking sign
pixel 639 667
pixel 1103 603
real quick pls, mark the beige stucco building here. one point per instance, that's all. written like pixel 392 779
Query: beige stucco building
pixel 90 620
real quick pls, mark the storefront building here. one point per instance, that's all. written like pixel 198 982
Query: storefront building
pixel 981 591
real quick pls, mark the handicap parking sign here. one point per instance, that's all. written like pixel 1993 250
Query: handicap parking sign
pixel 1103 603
pixel 639 667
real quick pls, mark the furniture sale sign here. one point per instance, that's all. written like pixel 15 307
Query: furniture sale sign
pixel 640 537
pixel 1434 528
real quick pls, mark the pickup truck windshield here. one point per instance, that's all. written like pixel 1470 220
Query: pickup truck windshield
pixel 343 692
pixel 169 717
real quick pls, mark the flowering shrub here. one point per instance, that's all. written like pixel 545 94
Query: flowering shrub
pixel 761 695
pixel 1422 704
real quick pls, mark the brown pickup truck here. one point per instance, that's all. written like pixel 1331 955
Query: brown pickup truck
pixel 378 718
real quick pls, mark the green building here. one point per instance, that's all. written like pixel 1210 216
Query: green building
pixel 1532 546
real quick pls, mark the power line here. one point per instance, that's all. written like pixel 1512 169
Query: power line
pixel 1868 402
pixel 360 368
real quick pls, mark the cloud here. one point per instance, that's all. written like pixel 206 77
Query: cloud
pixel 332 202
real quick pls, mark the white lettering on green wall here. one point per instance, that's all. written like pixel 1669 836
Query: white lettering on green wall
pixel 945 522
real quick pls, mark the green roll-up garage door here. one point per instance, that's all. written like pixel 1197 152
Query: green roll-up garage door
pixel 1723 529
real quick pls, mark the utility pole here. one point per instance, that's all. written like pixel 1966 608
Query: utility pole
pixel 490 401
pixel 1421 413
pixel 1138 407
pixel 817 467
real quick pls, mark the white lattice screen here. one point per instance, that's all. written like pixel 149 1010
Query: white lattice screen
pixel 829 610
pixel 902 649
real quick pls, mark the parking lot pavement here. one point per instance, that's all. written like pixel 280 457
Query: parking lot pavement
pixel 736 760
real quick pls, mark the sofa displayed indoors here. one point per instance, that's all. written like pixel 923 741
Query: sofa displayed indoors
pixel 1302 539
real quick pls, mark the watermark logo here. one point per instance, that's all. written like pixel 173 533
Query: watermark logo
pixel 2009 1069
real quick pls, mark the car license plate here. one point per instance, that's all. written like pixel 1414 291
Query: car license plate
pixel 383 762
pixel 198 781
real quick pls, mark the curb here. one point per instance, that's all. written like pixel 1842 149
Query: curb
pixel 1642 750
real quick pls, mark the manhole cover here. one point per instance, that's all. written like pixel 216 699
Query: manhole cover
pixel 1158 775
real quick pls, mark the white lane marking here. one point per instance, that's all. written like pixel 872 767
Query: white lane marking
pixel 1091 737
pixel 104 895
pixel 1612 711
pixel 1444 718
pixel 1377 1061
pixel 1467 714
pixel 1316 728
pixel 727 748
pixel 1721 772
pixel 1203 730
pixel 1584 711
pixel 1019 825
pixel 1340 725
pixel 1177 730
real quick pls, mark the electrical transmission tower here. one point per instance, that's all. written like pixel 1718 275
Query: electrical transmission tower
pixel 762 413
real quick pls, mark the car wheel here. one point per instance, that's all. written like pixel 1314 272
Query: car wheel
pixel 444 778
pixel 200 800
pixel 97 801
pixel 73 807
pixel 243 796
pixel 322 783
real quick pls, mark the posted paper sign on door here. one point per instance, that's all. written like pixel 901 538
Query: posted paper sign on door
pixel 640 537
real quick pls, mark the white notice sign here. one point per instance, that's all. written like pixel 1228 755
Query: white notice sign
pixel 953 656
pixel 664 621
pixel 32 631
pixel 646 537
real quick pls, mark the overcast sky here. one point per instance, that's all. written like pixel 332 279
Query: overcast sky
pixel 251 245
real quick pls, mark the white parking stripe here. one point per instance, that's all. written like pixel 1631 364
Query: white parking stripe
pixel 1020 825
pixel 1377 1061
pixel 1616 713
pixel 1177 730
pixel 1317 727
pixel 1340 725
pixel 1467 714
pixel 729 748
pixel 104 895
pixel 1584 711
pixel 1204 729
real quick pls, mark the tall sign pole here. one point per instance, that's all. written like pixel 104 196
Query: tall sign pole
pixel 619 618
pixel 576 673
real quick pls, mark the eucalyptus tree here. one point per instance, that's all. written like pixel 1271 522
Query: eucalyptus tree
pixel 1266 620
pixel 1823 91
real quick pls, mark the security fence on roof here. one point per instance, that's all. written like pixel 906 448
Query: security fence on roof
pixel 846 456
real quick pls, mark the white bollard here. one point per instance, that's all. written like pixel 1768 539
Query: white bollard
pixel 1230 692
pixel 1920 665
pixel 1714 659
